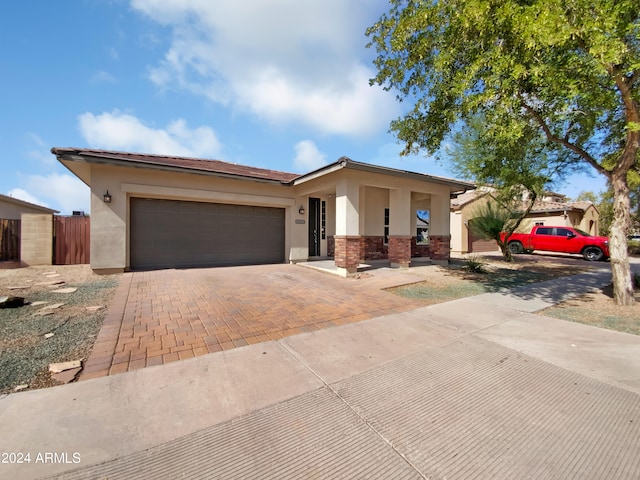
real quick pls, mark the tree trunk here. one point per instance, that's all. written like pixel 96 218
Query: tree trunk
pixel 504 248
pixel 620 269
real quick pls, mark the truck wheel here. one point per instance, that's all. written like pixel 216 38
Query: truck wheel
pixel 593 254
pixel 515 247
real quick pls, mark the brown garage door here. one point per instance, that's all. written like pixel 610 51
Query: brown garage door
pixel 479 245
pixel 170 233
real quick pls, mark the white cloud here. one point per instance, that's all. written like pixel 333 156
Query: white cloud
pixel 113 53
pixel 308 157
pixel 21 194
pixel 120 131
pixel 285 61
pixel 61 192
pixel 38 150
pixel 103 77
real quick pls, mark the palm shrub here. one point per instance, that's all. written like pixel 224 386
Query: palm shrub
pixel 491 219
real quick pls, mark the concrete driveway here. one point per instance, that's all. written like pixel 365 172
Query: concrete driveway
pixel 163 316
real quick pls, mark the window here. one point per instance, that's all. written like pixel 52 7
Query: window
pixel 386 226
pixel 422 230
pixel 422 236
pixel 539 223
pixel 545 231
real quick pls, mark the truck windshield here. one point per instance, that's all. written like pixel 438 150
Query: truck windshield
pixel 581 232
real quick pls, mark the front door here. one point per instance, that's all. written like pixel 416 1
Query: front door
pixel 314 227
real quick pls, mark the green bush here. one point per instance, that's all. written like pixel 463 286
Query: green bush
pixel 474 265
pixel 634 247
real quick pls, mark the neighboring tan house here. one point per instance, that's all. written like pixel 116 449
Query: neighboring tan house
pixel 26 231
pixel 152 211
pixel 551 209
pixel 13 208
pixel 463 209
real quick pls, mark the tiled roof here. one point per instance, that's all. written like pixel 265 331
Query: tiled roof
pixel 542 206
pixel 467 197
pixel 196 164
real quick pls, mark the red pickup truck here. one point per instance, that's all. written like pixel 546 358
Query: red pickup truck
pixel 560 239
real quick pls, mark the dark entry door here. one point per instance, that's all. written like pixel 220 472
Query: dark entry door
pixel 314 227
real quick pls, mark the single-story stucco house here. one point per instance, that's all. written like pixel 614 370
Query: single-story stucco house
pixel 153 211
pixel 552 209
pixel 12 208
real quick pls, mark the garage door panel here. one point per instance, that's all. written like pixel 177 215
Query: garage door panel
pixel 169 233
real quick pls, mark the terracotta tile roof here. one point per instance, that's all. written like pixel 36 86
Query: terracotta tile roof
pixel 196 164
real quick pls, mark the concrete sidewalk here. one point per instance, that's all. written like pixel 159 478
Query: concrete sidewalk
pixel 476 388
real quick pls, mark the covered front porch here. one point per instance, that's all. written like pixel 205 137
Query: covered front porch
pixel 356 214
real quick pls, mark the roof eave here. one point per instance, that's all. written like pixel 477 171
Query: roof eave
pixel 98 160
pixel 24 203
pixel 345 162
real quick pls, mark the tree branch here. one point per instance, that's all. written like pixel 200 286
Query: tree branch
pixel 563 141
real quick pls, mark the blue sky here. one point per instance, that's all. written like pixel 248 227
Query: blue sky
pixel 279 84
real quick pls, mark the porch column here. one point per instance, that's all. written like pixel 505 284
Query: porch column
pixel 347 238
pixel 400 222
pixel 439 229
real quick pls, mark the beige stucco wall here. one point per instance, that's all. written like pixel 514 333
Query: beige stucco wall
pixel 347 193
pixel 36 238
pixel 298 231
pixel 551 219
pixel 459 234
pixel 587 221
pixel 590 221
pixel 376 196
pixel 109 231
pixel 377 199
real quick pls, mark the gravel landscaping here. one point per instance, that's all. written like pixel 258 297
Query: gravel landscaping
pixel 64 310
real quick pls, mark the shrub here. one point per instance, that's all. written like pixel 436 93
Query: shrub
pixel 634 247
pixel 474 265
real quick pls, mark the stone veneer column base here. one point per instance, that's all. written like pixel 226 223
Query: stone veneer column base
pixel 440 247
pixel 400 250
pixel 347 254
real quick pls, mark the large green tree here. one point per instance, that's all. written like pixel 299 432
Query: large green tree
pixel 569 68
pixel 517 169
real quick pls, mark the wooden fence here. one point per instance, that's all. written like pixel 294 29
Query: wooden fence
pixel 71 240
pixel 9 240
